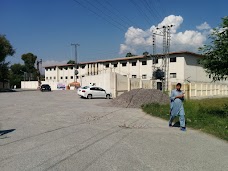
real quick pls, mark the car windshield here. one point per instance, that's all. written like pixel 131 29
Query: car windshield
pixel 85 87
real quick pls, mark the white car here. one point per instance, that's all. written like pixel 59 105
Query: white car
pixel 93 92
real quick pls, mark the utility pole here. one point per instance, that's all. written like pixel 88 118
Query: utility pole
pixel 165 59
pixel 38 63
pixel 76 60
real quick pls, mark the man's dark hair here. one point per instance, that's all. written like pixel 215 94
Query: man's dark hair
pixel 178 84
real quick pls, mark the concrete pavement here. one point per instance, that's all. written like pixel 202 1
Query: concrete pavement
pixel 59 131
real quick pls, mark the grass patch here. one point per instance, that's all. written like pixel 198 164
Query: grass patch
pixel 207 115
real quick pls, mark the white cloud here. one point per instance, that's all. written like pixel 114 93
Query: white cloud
pixel 204 26
pixel 137 40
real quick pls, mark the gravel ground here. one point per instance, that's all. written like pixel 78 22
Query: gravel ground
pixel 58 131
pixel 137 97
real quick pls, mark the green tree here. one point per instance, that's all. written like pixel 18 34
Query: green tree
pixel 6 49
pixel 4 72
pixel 145 53
pixel 71 62
pixel 29 62
pixel 215 60
pixel 129 54
pixel 17 74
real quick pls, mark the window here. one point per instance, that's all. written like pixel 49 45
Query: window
pixel 83 66
pixel 173 59
pixel 54 78
pixel 61 68
pixel 66 68
pixel 133 76
pixel 61 78
pixel 50 78
pixel 54 69
pixel 50 69
pixel 107 65
pixel 66 77
pixel 115 65
pixel 144 76
pixel 46 78
pixel 210 76
pixel 144 62
pixel 133 64
pixel 173 75
pixel 71 68
pixel 124 75
pixel 155 60
pixel 83 75
pixel 124 64
pixel 71 77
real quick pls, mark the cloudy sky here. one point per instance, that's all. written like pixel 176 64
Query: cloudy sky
pixel 104 28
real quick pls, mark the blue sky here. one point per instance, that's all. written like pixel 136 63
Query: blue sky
pixel 46 28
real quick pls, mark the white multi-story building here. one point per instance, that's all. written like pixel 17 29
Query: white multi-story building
pixel 183 66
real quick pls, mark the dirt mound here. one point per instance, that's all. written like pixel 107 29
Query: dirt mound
pixel 137 97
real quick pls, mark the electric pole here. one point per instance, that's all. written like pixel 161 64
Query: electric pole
pixel 76 60
pixel 165 33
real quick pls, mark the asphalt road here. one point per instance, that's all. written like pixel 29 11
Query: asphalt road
pixel 59 131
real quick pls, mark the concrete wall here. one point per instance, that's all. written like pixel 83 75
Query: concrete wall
pixel 193 71
pixel 206 90
pixel 198 90
pixel 105 81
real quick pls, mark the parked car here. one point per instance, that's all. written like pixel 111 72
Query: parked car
pixel 93 92
pixel 45 87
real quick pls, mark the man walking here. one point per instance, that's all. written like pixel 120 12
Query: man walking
pixel 176 107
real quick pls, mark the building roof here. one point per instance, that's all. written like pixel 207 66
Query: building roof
pixel 127 58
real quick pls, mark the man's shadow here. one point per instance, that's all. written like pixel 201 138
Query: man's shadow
pixel 3 132
pixel 177 124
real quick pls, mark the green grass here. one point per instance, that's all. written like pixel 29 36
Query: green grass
pixel 207 115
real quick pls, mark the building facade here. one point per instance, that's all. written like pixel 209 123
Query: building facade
pixel 183 67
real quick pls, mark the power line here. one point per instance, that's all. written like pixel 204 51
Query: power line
pixel 108 10
pixel 149 8
pixel 141 12
pixel 97 14
pixel 117 22
pixel 118 12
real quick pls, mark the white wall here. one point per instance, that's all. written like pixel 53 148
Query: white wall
pixel 105 81
pixel 193 71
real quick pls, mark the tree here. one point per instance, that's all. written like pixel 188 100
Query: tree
pixel 29 62
pixel 6 49
pixel 129 54
pixel 215 60
pixel 145 53
pixel 71 62
pixel 17 74
pixel 4 72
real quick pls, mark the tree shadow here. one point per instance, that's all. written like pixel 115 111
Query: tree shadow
pixel 3 132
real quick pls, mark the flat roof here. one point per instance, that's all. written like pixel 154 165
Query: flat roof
pixel 126 58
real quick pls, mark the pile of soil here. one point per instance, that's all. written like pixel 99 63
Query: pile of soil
pixel 137 97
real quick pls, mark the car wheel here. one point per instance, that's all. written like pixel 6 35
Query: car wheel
pixel 107 96
pixel 89 96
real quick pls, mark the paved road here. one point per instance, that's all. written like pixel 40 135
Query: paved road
pixel 58 131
